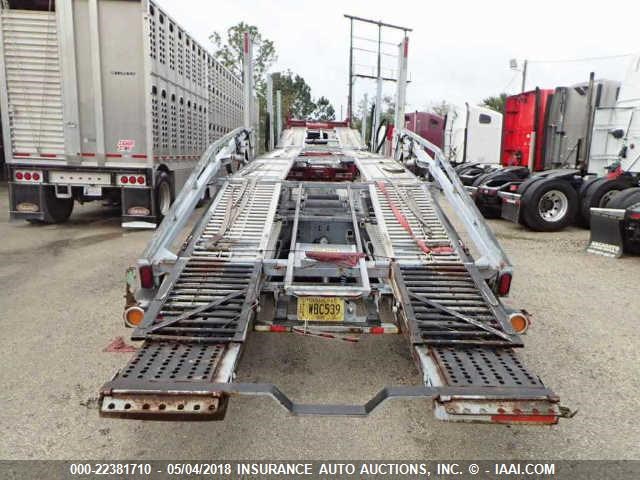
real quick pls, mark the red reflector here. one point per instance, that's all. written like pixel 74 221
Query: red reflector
pixel 146 276
pixel 634 216
pixel 504 284
pixel 141 180
pixel 513 188
pixel 36 176
pixel 27 176
pixel 377 330
pixel 124 180
pixel 544 419
pixel 132 179
pixel 18 175
pixel 278 328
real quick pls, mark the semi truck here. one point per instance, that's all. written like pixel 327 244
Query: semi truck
pixel 281 250
pixel 559 124
pixel 106 100
pixel 555 198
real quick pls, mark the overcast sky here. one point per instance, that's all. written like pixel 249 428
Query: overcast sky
pixel 459 50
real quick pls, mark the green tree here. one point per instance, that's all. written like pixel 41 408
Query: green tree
pixel 495 103
pixel 296 95
pixel 229 51
pixel 324 110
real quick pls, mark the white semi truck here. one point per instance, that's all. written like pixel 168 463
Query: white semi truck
pixel 105 100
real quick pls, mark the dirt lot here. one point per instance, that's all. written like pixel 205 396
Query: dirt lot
pixel 61 291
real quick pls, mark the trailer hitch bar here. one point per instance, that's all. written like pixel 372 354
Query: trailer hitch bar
pixel 123 389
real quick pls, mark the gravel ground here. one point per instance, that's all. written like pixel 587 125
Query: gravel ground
pixel 61 298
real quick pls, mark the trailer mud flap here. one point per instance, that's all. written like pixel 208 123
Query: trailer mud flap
pixel 607 236
pixel 510 206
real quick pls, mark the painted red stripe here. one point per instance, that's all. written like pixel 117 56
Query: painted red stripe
pixel 139 155
pixel 86 154
pixel 48 155
pixel 114 155
pixel 17 154
pixel 544 419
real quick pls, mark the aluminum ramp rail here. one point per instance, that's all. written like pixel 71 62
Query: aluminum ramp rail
pixel 457 330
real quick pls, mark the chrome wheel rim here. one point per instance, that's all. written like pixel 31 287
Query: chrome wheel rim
pixel 553 206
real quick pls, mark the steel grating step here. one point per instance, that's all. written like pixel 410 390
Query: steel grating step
pixel 208 301
pixel 429 293
pixel 483 367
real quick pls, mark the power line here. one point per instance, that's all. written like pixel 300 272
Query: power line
pixel 585 59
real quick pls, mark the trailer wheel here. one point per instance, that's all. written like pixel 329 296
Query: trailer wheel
pixel 164 195
pixel 549 205
pixel 56 210
pixel 625 198
pixel 599 193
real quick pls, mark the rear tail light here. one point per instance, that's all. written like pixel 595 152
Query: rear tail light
pixel 520 322
pixel 28 176
pixel 133 316
pixel 146 276
pixel 141 180
pixel 634 216
pixel 124 179
pixel 132 180
pixel 504 284
pixel 513 188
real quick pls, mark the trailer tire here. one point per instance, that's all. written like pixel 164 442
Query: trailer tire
pixel 56 210
pixel 599 192
pixel 625 198
pixel 164 195
pixel 549 205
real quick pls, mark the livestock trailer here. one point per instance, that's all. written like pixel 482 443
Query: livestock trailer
pixel 105 100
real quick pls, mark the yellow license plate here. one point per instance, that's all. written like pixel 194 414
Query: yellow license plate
pixel 320 309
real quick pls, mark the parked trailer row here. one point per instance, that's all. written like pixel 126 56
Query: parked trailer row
pixel 105 100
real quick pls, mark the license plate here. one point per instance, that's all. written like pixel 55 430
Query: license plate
pixel 320 309
pixel 93 191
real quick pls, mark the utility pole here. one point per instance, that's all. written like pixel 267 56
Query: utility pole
pixel 363 126
pixel 247 74
pixel 270 110
pixel 350 100
pixel 278 115
pixel 524 75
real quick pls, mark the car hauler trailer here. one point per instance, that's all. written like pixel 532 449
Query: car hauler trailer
pixel 369 253
pixel 105 100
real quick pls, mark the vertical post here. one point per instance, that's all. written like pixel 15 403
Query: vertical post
pixel 350 100
pixel 375 121
pixel 97 81
pixel 247 74
pixel 583 158
pixel 270 110
pixel 278 115
pixel 524 75
pixel 363 125
pixel 401 86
